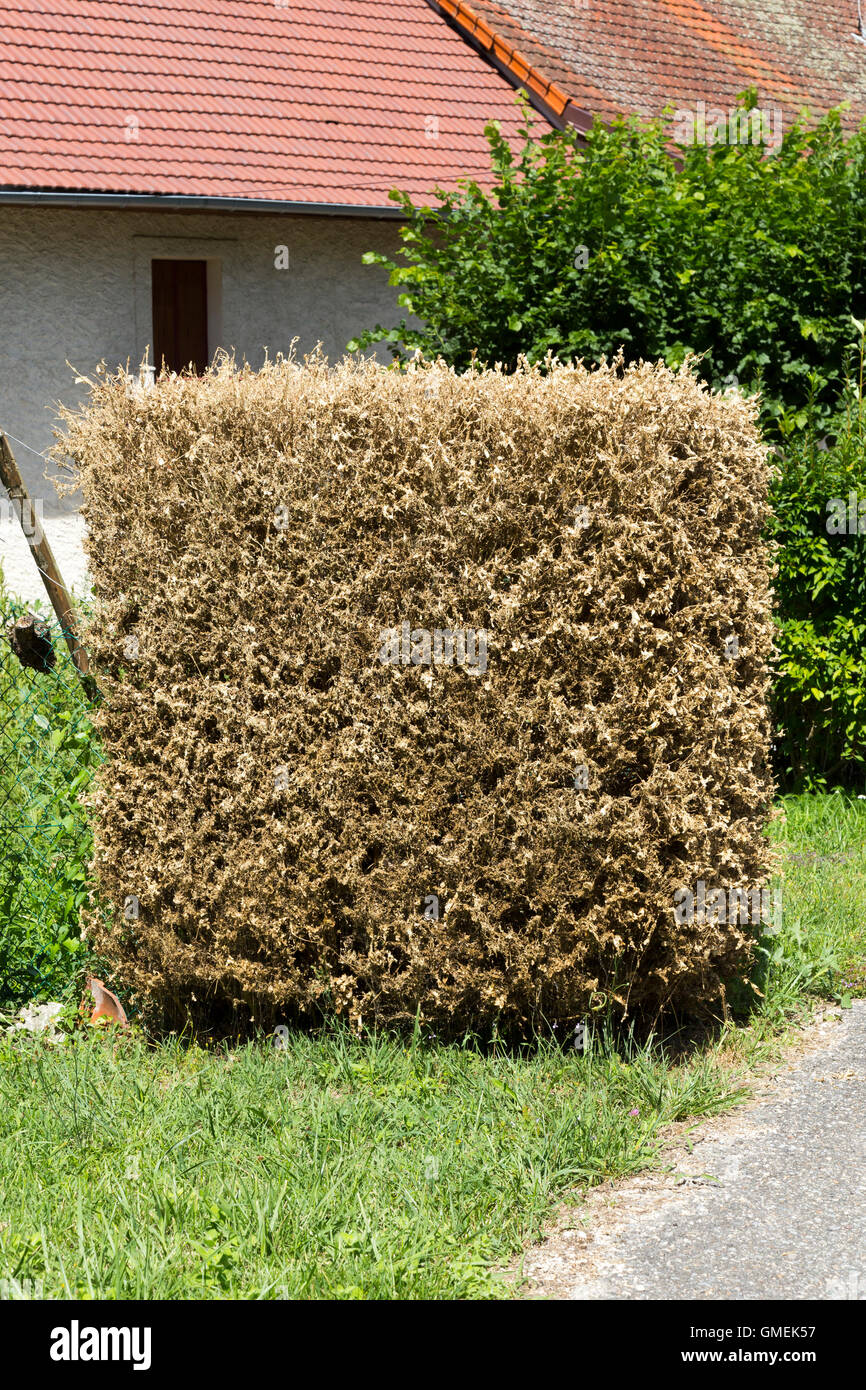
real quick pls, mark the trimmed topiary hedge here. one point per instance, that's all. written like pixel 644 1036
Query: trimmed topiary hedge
pixel 425 692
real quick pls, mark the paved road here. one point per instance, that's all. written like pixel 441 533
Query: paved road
pixel 771 1202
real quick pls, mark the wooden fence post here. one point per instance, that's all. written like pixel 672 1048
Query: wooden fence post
pixel 57 591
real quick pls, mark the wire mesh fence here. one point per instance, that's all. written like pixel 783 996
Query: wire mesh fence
pixel 48 755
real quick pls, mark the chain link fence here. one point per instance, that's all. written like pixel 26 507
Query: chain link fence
pixel 48 755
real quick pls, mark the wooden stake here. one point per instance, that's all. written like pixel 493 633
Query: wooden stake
pixel 57 591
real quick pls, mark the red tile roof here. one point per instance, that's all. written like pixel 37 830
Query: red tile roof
pixel 312 101
pixel 622 56
pixel 491 42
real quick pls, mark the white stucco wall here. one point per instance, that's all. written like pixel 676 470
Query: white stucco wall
pixel 75 287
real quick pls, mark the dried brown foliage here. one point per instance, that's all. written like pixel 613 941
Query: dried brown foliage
pixel 254 533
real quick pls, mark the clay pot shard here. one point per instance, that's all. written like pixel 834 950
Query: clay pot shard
pixel 106 1004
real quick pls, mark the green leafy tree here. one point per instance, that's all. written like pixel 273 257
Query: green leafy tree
pixel 819 527
pixel 753 258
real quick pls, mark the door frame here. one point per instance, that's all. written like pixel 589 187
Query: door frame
pixel 215 251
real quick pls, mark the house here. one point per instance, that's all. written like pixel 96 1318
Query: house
pixel 189 176
pixel 181 177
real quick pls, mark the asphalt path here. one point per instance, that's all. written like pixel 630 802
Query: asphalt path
pixel 769 1202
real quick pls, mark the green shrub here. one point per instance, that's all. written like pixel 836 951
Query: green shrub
pixel 48 753
pixel 820 688
pixel 755 260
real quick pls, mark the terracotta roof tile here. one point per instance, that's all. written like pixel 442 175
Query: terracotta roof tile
pixel 319 101
pixel 623 56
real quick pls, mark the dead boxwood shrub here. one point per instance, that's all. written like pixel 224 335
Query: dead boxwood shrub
pixel 287 823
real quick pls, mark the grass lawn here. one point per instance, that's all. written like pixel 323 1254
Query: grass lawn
pixel 334 1167
pixel 822 842
pixel 375 1168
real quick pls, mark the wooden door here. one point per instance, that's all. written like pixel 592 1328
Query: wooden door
pixel 179 314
